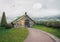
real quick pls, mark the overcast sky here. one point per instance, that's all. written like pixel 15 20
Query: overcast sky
pixel 34 8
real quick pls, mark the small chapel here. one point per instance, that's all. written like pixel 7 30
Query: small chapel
pixel 23 21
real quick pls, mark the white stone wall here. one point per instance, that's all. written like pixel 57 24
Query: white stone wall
pixel 21 23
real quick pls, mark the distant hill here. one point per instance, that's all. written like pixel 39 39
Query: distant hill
pixel 55 17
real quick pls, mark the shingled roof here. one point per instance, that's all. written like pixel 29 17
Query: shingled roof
pixel 20 17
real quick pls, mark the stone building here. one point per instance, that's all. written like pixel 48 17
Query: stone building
pixel 23 21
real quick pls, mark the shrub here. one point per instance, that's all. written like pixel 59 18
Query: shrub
pixel 12 24
pixel 45 23
pixel 40 22
pixel 0 24
pixel 3 20
pixel 56 24
pixel 49 24
pixel 8 26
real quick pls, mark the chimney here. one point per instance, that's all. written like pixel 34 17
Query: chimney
pixel 25 13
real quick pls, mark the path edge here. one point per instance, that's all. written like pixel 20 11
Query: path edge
pixel 56 39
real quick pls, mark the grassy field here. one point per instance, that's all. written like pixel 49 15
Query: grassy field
pixel 13 35
pixel 54 31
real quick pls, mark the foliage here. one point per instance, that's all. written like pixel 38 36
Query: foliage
pixel 8 26
pixel 55 24
pixel 49 24
pixel 3 20
pixel 0 24
pixel 13 35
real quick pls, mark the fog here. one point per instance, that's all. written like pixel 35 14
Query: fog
pixel 34 8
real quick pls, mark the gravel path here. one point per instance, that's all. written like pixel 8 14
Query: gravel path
pixel 37 36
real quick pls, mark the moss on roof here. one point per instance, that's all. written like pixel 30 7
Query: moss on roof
pixel 20 17
pixel 17 18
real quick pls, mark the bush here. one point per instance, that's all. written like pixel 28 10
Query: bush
pixel 8 26
pixel 40 22
pixel 56 24
pixel 0 24
pixel 12 24
pixel 49 24
pixel 45 23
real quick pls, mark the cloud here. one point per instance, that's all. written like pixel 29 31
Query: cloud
pixel 43 12
pixel 14 8
pixel 37 6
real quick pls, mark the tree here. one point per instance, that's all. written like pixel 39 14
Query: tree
pixel 3 20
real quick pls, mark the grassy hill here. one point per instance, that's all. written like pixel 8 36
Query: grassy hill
pixel 13 35
pixel 54 31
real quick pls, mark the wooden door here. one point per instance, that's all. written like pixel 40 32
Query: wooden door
pixel 27 24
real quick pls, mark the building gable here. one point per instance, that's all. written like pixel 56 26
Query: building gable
pixel 24 20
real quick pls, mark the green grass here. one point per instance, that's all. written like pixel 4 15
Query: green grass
pixel 54 31
pixel 13 35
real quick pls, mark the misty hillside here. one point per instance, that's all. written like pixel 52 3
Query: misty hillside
pixel 56 17
pixel 53 17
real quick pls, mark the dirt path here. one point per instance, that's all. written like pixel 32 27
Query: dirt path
pixel 37 36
